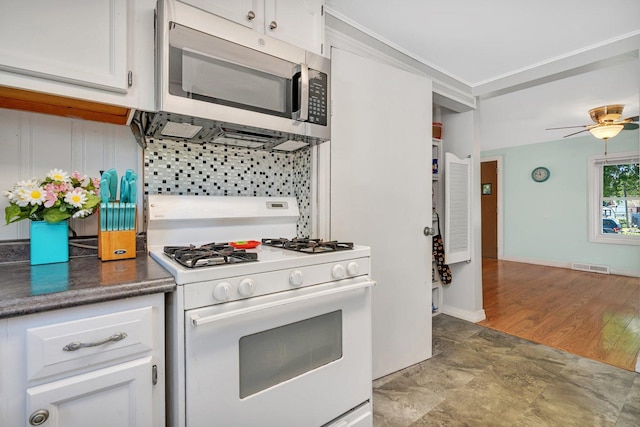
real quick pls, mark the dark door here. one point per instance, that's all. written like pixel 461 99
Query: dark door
pixel 489 199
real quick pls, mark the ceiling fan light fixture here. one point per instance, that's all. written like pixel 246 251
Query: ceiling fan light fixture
pixel 606 113
pixel 606 131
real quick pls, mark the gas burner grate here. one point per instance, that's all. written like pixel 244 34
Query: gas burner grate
pixel 211 254
pixel 312 246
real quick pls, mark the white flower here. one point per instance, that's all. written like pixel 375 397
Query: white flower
pixel 59 175
pixel 28 183
pixel 31 195
pixel 82 213
pixel 12 197
pixel 76 198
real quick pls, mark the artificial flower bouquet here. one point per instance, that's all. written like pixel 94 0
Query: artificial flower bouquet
pixel 56 198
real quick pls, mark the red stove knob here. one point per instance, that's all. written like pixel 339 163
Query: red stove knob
pixel 353 268
pixel 222 291
pixel 338 271
pixel 296 278
pixel 247 287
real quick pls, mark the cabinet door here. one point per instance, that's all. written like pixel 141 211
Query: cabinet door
pixel 74 41
pixel 119 396
pixel 239 11
pixel 299 22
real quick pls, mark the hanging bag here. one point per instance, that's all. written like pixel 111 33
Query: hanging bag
pixel 438 255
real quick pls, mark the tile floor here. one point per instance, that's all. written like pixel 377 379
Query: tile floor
pixel 481 377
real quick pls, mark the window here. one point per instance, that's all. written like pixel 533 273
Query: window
pixel 614 184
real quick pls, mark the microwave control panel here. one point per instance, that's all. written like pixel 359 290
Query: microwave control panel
pixel 318 97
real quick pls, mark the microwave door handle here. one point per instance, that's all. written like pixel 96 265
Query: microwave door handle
pixel 196 320
pixel 303 93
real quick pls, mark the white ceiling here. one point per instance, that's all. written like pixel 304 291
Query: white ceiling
pixel 478 41
pixel 533 65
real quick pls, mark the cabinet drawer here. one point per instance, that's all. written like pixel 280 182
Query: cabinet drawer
pixel 88 342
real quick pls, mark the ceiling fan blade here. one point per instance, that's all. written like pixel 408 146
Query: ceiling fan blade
pixel 575 133
pixel 568 127
pixel 630 126
pixel 627 120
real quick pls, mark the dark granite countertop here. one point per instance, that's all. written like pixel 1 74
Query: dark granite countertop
pixel 26 289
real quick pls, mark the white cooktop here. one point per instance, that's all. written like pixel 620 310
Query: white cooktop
pixel 269 259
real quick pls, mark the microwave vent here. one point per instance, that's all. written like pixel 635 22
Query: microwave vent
pixel 177 127
pixel 290 146
pixel 180 130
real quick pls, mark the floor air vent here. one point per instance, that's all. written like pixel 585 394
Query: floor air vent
pixel 603 269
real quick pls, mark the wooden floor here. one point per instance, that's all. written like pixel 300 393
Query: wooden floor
pixel 589 314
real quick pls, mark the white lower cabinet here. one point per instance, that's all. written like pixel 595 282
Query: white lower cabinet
pixel 119 396
pixel 98 365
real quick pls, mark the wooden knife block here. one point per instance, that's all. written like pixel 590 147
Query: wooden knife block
pixel 117 244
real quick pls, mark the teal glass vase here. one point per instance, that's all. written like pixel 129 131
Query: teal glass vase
pixel 49 242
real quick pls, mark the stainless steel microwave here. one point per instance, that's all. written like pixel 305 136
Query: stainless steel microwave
pixel 218 81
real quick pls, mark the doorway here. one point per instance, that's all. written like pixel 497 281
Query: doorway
pixel 489 204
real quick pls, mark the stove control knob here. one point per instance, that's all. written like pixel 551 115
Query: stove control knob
pixel 295 278
pixel 338 271
pixel 222 291
pixel 247 287
pixel 353 268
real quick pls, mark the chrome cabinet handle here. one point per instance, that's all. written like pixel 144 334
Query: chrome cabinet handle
pixel 429 231
pixel 273 25
pixel 251 15
pixel 39 417
pixel 78 345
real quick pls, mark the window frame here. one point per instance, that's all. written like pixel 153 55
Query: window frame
pixel 596 163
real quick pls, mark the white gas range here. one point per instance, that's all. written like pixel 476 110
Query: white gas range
pixel 275 335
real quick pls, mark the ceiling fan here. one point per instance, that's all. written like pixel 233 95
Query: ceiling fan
pixel 607 122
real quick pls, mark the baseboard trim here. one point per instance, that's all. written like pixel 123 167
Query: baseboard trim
pixel 560 264
pixel 469 316
pixel 546 262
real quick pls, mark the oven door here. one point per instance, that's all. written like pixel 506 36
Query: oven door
pixel 301 357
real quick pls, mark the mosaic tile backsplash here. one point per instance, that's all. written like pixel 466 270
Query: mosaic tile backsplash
pixel 216 170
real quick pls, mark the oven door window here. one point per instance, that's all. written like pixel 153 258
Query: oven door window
pixel 214 70
pixel 276 355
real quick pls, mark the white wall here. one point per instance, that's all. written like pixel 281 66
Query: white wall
pixel 33 144
pixel 463 297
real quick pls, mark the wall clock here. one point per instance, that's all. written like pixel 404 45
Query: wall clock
pixel 540 174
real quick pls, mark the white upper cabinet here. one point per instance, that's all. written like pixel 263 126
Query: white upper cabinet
pixel 94 50
pixel 298 22
pixel 241 11
pixel 73 41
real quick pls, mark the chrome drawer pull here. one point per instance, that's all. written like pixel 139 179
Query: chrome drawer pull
pixel 78 345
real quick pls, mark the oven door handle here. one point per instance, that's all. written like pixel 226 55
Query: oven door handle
pixel 196 320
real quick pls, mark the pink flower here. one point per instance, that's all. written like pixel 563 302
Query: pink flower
pixel 76 175
pixel 50 198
